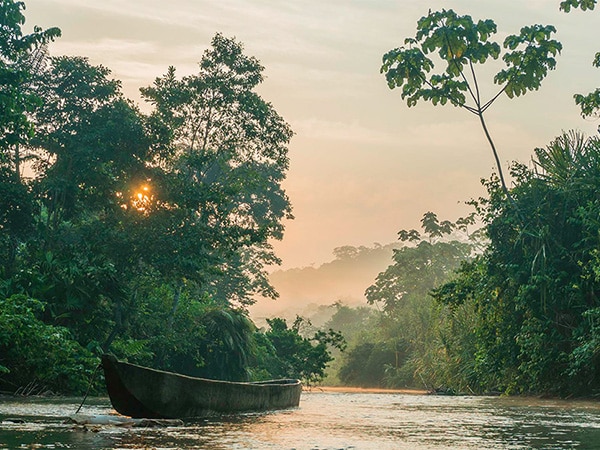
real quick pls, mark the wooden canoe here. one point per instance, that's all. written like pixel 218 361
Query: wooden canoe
pixel 141 392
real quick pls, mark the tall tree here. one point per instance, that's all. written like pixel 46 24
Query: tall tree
pixel 20 56
pixel 221 158
pixel 418 269
pixel 91 147
pixel 92 139
pixel 461 44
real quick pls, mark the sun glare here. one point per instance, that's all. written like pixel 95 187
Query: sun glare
pixel 142 199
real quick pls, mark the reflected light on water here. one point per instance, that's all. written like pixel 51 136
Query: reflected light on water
pixel 327 421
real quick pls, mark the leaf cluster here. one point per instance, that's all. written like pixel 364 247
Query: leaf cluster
pixel 532 55
pixel 588 103
pixel 584 5
pixel 37 354
pixel 459 44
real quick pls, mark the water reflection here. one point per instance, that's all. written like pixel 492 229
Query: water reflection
pixel 326 421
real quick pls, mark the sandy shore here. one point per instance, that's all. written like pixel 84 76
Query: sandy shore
pixel 359 390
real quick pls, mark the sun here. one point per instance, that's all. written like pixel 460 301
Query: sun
pixel 143 199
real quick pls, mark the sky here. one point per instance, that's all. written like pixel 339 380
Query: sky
pixel 362 164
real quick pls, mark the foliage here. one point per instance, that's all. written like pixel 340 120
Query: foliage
pixel 397 351
pixel 534 289
pixel 35 357
pixel 92 138
pixel 365 364
pixel 589 103
pixel 297 356
pixel 21 56
pixel 89 145
pixel 18 60
pixel 583 4
pixel 522 316
pixel 416 270
pixel 350 322
pixel 461 44
pixel 145 235
pixel 219 158
pixel 228 345
pixel 150 235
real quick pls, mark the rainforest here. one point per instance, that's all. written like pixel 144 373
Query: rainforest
pixel 148 232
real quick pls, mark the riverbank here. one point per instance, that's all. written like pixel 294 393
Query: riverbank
pixel 360 390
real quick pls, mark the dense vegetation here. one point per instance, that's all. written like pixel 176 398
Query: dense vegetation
pixel 520 316
pixel 398 344
pixel 143 235
pixel 522 313
pixel 147 235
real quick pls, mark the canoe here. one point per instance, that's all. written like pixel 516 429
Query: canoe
pixel 141 392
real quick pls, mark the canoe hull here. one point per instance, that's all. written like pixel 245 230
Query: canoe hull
pixel 141 392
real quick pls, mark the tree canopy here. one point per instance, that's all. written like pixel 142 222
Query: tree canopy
pixel 521 316
pixel 146 235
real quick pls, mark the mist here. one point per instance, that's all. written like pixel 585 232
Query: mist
pixel 310 291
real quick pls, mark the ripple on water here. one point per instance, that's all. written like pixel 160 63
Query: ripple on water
pixel 325 421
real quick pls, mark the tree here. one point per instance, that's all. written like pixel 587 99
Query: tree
pixel 400 346
pixel 297 356
pixel 220 157
pixel 461 44
pixel 416 270
pixel 93 141
pixel 91 146
pixel 21 55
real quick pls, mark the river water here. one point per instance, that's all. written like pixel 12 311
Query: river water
pixel 324 420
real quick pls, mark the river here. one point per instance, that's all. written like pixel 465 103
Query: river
pixel 324 420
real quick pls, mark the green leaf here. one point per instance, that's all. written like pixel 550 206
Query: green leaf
pixel 531 58
pixel 589 104
pixel 584 5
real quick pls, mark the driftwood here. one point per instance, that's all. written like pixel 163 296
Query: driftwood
pixel 121 421
pixel 12 420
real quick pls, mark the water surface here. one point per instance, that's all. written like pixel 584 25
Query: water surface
pixel 324 420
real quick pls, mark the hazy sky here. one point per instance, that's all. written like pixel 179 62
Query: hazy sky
pixel 363 165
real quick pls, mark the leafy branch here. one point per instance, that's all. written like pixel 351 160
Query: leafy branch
pixel 460 44
pixel 590 103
